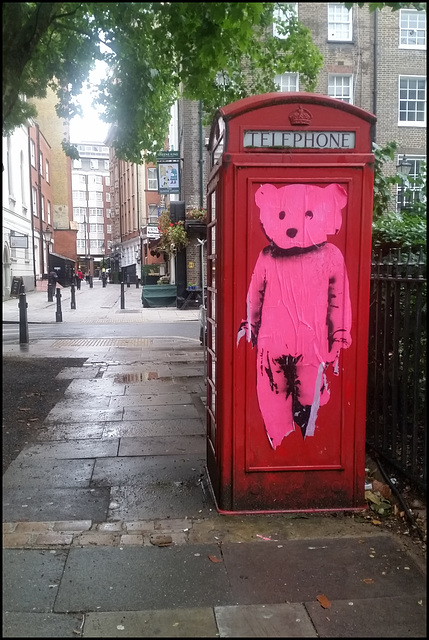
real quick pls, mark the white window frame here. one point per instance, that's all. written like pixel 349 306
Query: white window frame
pixel 340 20
pixel 404 102
pixel 48 210
pixel 33 153
pixel 407 32
pixel 416 165
pixel 41 163
pixel 47 173
pixel 34 200
pixel 333 79
pixel 280 12
pixel 152 179
pixel 152 214
pixel 287 82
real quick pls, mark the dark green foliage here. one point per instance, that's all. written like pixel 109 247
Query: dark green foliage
pixel 406 229
pixel 155 51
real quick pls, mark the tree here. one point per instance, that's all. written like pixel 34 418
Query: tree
pixel 156 51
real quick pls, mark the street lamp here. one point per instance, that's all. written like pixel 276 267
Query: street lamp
pixel 47 234
pixel 404 168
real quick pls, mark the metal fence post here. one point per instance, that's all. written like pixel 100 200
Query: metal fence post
pixel 59 313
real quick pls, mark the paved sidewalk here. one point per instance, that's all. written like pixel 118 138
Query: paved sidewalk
pixel 96 305
pixel 110 528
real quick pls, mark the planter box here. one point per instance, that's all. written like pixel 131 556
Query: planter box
pixel 159 295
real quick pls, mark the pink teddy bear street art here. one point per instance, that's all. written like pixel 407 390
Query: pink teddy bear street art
pixel 298 305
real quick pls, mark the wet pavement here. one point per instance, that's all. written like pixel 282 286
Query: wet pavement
pixel 110 528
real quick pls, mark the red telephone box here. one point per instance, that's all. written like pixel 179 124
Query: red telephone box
pixel 288 272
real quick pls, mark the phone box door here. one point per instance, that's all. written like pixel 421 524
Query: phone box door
pixel 301 322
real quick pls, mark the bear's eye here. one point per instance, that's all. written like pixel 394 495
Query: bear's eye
pixel 282 215
pixel 309 214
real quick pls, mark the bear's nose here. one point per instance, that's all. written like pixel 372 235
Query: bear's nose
pixel 291 232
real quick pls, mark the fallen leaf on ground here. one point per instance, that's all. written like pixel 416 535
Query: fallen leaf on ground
pixel 324 601
pixel 383 489
pixel 214 559
pixel 376 522
pixel 368 580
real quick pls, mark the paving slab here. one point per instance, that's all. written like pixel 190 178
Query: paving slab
pixel 144 428
pixel 97 386
pixel 156 386
pixel 70 373
pixel 41 625
pixel 163 445
pixel 48 473
pixel 134 579
pixel 401 616
pixel 300 570
pixel 77 449
pixel 147 400
pixel 81 414
pixel 142 470
pixel 35 504
pixel 72 431
pixel 159 412
pixel 159 500
pixel 31 579
pixel 264 621
pixel 165 623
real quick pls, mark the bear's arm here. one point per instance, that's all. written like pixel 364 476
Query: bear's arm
pixel 254 300
pixel 339 312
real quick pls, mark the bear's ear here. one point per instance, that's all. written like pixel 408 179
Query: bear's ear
pixel 265 191
pixel 337 200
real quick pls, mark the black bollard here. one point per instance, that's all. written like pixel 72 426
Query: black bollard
pixel 23 323
pixel 73 298
pixel 59 313
pixel 137 283
pixel 50 291
pixel 91 284
pixel 122 295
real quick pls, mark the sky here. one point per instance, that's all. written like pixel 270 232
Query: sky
pixel 89 128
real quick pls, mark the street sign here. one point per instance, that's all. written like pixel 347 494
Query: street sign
pixel 168 163
pixel 18 242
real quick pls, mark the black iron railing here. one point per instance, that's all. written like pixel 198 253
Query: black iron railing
pixel 396 400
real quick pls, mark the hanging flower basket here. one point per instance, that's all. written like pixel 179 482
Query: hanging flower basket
pixel 173 234
pixel 200 215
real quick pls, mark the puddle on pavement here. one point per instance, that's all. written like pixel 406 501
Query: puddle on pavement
pixel 136 377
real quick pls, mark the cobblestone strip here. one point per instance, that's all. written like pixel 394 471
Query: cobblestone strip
pixel 85 533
